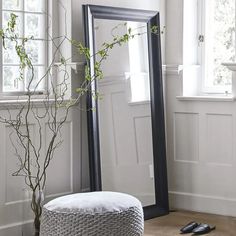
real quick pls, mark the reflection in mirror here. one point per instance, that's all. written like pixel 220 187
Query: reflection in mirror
pixel 124 111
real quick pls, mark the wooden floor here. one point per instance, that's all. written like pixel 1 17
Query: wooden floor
pixel 169 225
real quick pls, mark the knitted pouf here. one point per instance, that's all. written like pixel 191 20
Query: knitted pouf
pixel 93 214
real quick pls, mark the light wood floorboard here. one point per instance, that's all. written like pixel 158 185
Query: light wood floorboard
pixel 170 225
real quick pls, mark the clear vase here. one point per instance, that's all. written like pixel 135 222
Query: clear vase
pixel 31 218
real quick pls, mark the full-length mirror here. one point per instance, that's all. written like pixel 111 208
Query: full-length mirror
pixel 127 130
pixel 124 112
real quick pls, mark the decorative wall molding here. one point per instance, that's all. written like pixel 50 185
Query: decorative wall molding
pixel 114 127
pixel 219 139
pixel 109 80
pixel 15 225
pixel 209 197
pixel 172 69
pixel 190 122
pixel 218 114
pixel 137 143
pixel 176 69
pixel 76 66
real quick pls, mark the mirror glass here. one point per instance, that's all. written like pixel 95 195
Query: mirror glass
pixel 125 128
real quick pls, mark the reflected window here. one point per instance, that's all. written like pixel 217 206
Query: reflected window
pixel 130 60
pixel 138 75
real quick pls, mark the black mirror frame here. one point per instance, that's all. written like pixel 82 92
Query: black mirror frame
pixel 157 102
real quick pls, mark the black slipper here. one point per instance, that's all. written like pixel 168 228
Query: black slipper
pixel 189 227
pixel 203 229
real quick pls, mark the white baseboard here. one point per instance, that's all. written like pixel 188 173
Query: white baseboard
pixel 203 203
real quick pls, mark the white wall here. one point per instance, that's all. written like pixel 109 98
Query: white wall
pixel 66 175
pixel 201 137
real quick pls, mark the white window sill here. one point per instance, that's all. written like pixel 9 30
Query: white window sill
pixel 15 104
pixel 218 98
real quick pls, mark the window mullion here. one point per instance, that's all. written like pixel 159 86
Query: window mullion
pixel 19 11
pixel 1 51
pixel 202 45
pixel 235 33
pixel 46 4
pixel 23 88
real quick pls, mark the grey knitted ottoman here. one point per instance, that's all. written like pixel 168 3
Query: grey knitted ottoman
pixel 93 214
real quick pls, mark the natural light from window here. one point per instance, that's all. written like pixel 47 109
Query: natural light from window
pixel 139 63
pixel 31 21
pixel 219 45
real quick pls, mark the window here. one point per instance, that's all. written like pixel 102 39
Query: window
pixel 31 21
pixel 217 44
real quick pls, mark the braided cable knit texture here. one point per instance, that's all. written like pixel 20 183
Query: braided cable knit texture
pixel 124 222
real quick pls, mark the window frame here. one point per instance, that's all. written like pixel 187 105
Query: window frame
pixel 202 55
pixel 22 94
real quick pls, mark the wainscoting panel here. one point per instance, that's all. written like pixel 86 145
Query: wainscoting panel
pixel 14 184
pixel 219 139
pixel 63 157
pixel 143 137
pixel 125 147
pixel 107 136
pixel 61 179
pixel 201 137
pixel 186 137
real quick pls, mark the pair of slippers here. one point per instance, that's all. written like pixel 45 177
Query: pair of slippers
pixel 196 228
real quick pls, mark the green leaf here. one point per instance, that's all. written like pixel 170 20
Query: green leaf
pixel 154 29
pixel 12 22
pixel 63 61
pixel 87 74
pixel 81 90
